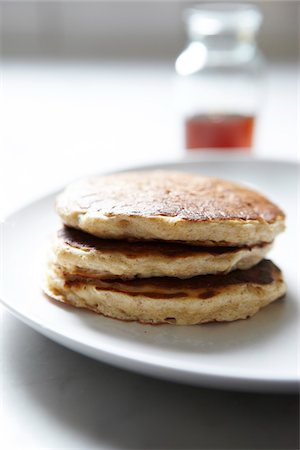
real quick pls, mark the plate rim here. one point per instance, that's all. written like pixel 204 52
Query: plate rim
pixel 216 158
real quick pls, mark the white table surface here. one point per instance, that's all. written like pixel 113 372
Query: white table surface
pixel 59 123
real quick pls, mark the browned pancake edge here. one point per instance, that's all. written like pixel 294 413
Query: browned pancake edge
pixel 204 286
pixel 85 241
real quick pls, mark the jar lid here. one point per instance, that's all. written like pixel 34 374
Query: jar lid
pixel 209 19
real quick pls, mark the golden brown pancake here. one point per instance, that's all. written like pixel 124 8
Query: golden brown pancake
pixel 237 295
pixel 83 254
pixel 172 206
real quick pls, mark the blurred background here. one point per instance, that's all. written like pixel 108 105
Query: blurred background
pixel 94 86
pixel 125 29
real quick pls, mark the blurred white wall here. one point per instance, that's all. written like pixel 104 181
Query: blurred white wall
pixel 129 29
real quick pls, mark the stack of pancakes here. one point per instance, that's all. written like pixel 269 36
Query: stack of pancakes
pixel 165 247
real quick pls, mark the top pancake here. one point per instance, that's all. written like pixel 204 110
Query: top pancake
pixel 173 206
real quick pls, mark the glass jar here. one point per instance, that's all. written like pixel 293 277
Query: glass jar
pixel 220 75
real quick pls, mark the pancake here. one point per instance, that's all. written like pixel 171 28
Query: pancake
pixel 207 298
pixel 172 206
pixel 82 254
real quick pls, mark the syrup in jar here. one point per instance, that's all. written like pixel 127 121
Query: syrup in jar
pixel 219 131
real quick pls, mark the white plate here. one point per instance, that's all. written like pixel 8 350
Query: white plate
pixel 256 354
